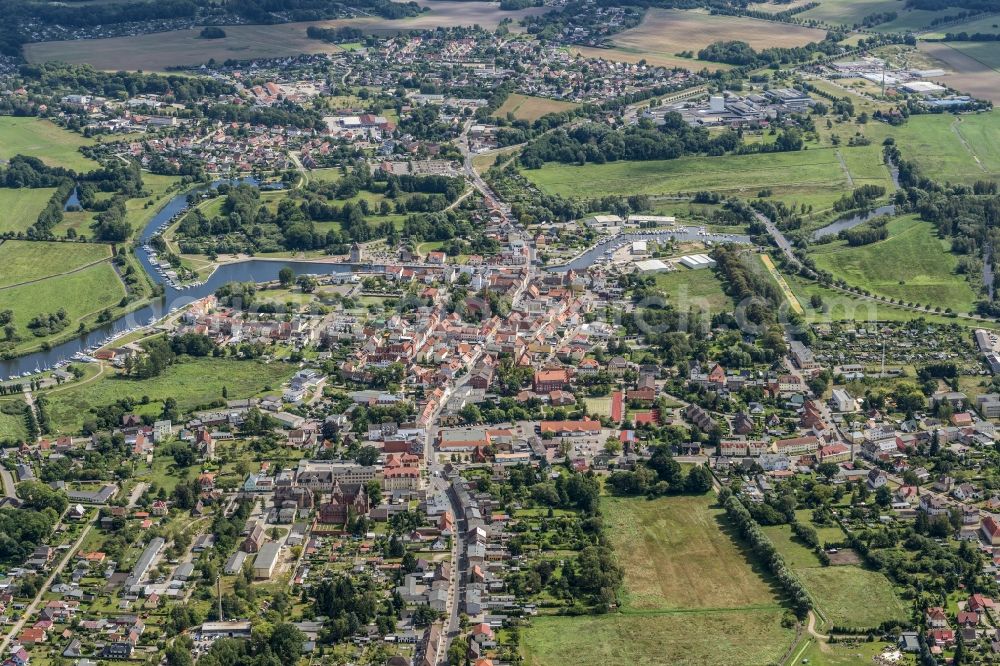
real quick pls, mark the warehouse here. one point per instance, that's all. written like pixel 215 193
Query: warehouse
pixel 696 261
pixel 266 560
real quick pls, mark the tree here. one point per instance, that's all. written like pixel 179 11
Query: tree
pixel 367 456
pixel 286 276
pixel 698 481
pixel 612 446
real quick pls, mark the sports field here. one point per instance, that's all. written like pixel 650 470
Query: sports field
pixel 525 107
pixel 20 208
pixel 44 140
pixel 27 261
pixel 691 596
pixel 666 32
pixel 193 382
pixel 912 264
pixel 812 176
pixel 157 51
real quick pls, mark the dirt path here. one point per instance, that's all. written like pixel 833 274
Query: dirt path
pixel 847 172
pixel 965 144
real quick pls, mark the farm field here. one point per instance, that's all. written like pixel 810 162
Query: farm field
pixel 155 52
pixel 193 382
pixel 812 176
pixel 674 550
pixel 700 289
pixel 724 638
pixel 20 208
pixel 912 264
pixel 26 261
pixel 525 107
pixel 666 32
pixel 988 23
pixel 974 67
pixel 850 12
pixel 82 294
pixel 44 140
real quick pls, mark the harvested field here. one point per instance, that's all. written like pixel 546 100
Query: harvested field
pixel 155 52
pixel 658 59
pixel 973 67
pixel 851 12
pixel 529 108
pixel 666 32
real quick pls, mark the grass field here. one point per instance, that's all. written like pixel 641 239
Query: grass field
pixel 12 428
pixel 947 148
pixel 665 32
pixel 600 406
pixel 26 261
pixel 192 383
pixel 525 107
pixel 912 264
pixel 44 140
pixel 699 289
pixel 974 67
pixel 20 208
pixel 852 596
pixel 675 551
pixel 83 295
pixel 989 23
pixel 725 638
pixel 812 176
pixel 157 51
pixel 691 596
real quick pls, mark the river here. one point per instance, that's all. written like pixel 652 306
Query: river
pixel 252 270
pixel 844 223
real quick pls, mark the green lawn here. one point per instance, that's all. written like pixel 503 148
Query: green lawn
pixel 24 261
pixel 912 264
pixel 724 638
pixel 83 295
pixel 193 382
pixel 699 289
pixel 44 140
pixel 12 428
pixel 20 208
pixel 140 211
pixel 813 176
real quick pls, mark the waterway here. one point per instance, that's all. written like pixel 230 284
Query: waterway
pixel 252 270
pixel 842 224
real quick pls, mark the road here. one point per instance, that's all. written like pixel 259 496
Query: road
pixel 9 487
pixel 29 612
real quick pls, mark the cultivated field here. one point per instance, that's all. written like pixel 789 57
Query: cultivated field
pixel 691 596
pixel 813 176
pixel 525 107
pixel 666 32
pixel 912 264
pixel 28 261
pixel 974 67
pixel 989 23
pixel 20 208
pixel 850 12
pixel 193 382
pixel 157 51
pixel 44 140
